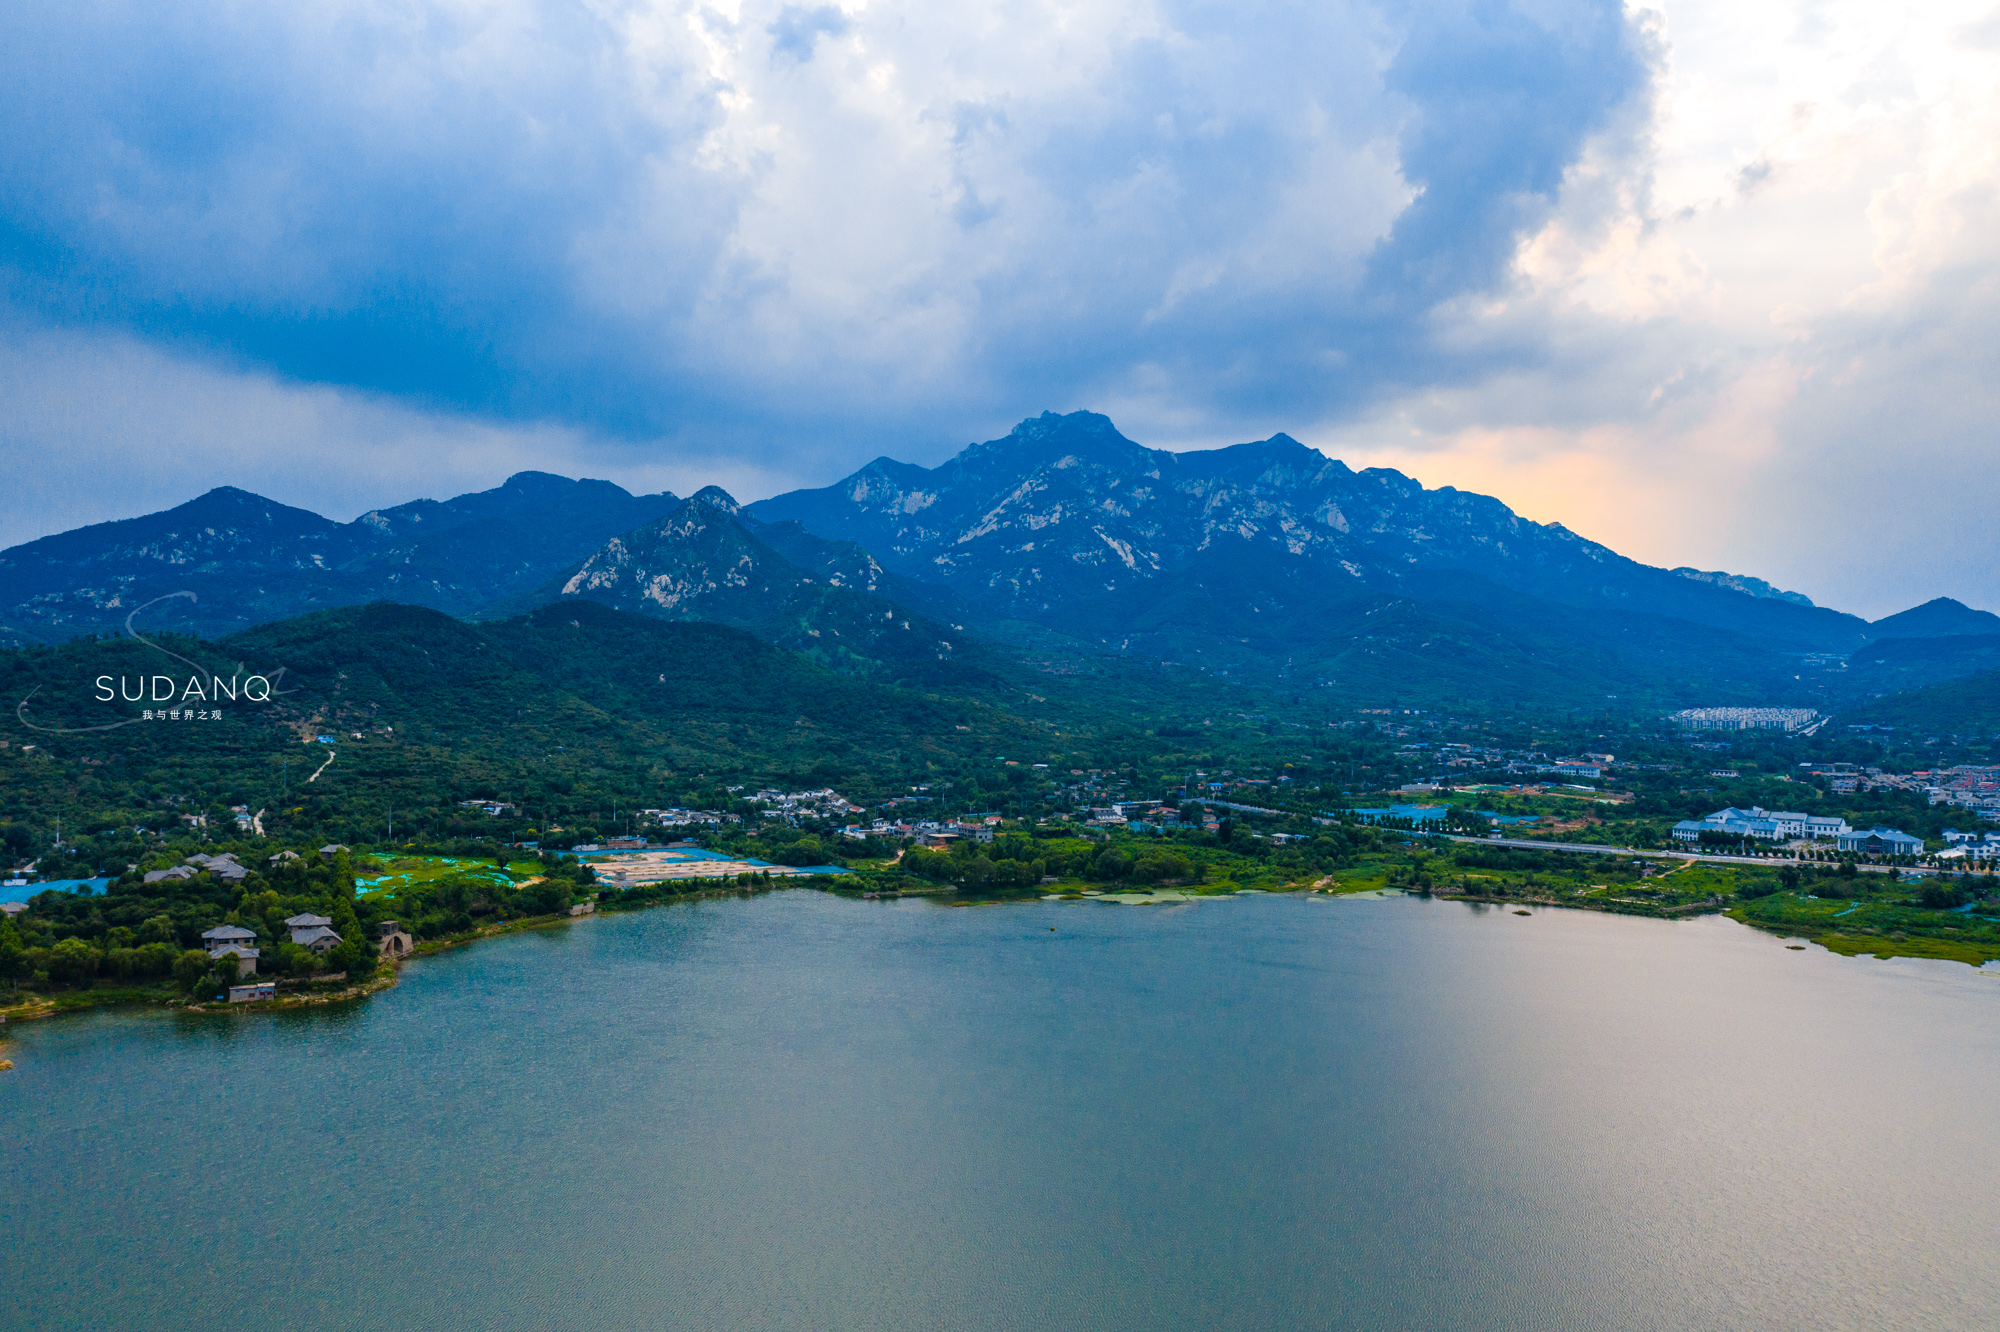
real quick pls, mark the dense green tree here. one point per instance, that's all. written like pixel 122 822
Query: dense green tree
pixel 72 962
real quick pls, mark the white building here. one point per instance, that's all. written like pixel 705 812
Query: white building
pixel 1746 719
pixel 1770 825
pixel 1880 842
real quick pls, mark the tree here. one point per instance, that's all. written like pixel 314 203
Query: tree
pixel 1155 866
pixel 189 968
pixel 352 956
pixel 72 962
pixel 1941 896
pixel 544 898
pixel 153 961
pixel 13 962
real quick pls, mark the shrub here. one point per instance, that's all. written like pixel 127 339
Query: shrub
pixel 1941 896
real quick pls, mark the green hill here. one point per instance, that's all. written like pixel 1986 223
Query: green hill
pixel 566 711
pixel 1966 709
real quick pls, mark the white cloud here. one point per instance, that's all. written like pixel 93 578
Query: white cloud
pixel 637 213
pixel 670 242
pixel 1759 333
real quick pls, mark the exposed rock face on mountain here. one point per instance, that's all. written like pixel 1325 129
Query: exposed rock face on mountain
pixel 1065 510
pixel 707 561
pixel 1062 542
pixel 230 558
pixel 1753 587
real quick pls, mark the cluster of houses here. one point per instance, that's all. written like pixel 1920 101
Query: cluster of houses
pixel 492 809
pixel 677 817
pixel 792 806
pixel 307 931
pixel 1779 825
pixel 1122 813
pixel 224 867
pixel 1970 845
pixel 933 833
pixel 1970 786
pixel 621 844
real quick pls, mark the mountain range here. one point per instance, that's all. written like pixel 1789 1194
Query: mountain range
pixel 232 559
pixel 1061 543
pixel 1065 511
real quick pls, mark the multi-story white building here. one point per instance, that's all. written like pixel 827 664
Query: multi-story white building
pixel 1770 825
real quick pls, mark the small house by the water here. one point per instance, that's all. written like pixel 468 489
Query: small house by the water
pixel 319 938
pixel 251 993
pixel 246 957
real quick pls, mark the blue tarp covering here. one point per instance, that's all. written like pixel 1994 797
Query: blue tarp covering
pixel 22 893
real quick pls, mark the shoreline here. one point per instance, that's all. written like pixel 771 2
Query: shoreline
pixel 389 974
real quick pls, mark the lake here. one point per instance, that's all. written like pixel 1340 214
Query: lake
pixel 795 1110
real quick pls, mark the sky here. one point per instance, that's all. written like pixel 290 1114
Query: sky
pixel 1713 283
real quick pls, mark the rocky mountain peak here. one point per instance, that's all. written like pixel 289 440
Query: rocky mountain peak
pixel 1065 508
pixel 717 500
pixel 1087 437
pixel 1754 587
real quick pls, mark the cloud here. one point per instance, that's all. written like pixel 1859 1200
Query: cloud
pixel 639 217
pixel 797 29
pixel 1711 282
pixel 1756 330
pixel 99 427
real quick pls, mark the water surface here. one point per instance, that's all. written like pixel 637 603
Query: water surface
pixel 801 1111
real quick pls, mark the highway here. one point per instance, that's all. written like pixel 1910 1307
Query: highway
pixel 1591 849
pixel 1587 848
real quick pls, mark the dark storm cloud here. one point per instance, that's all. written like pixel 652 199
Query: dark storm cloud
pixel 645 222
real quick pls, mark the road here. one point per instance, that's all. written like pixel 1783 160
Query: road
pixel 1595 850
pixel 1586 847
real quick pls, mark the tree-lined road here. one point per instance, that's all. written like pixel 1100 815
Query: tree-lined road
pixel 1593 849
